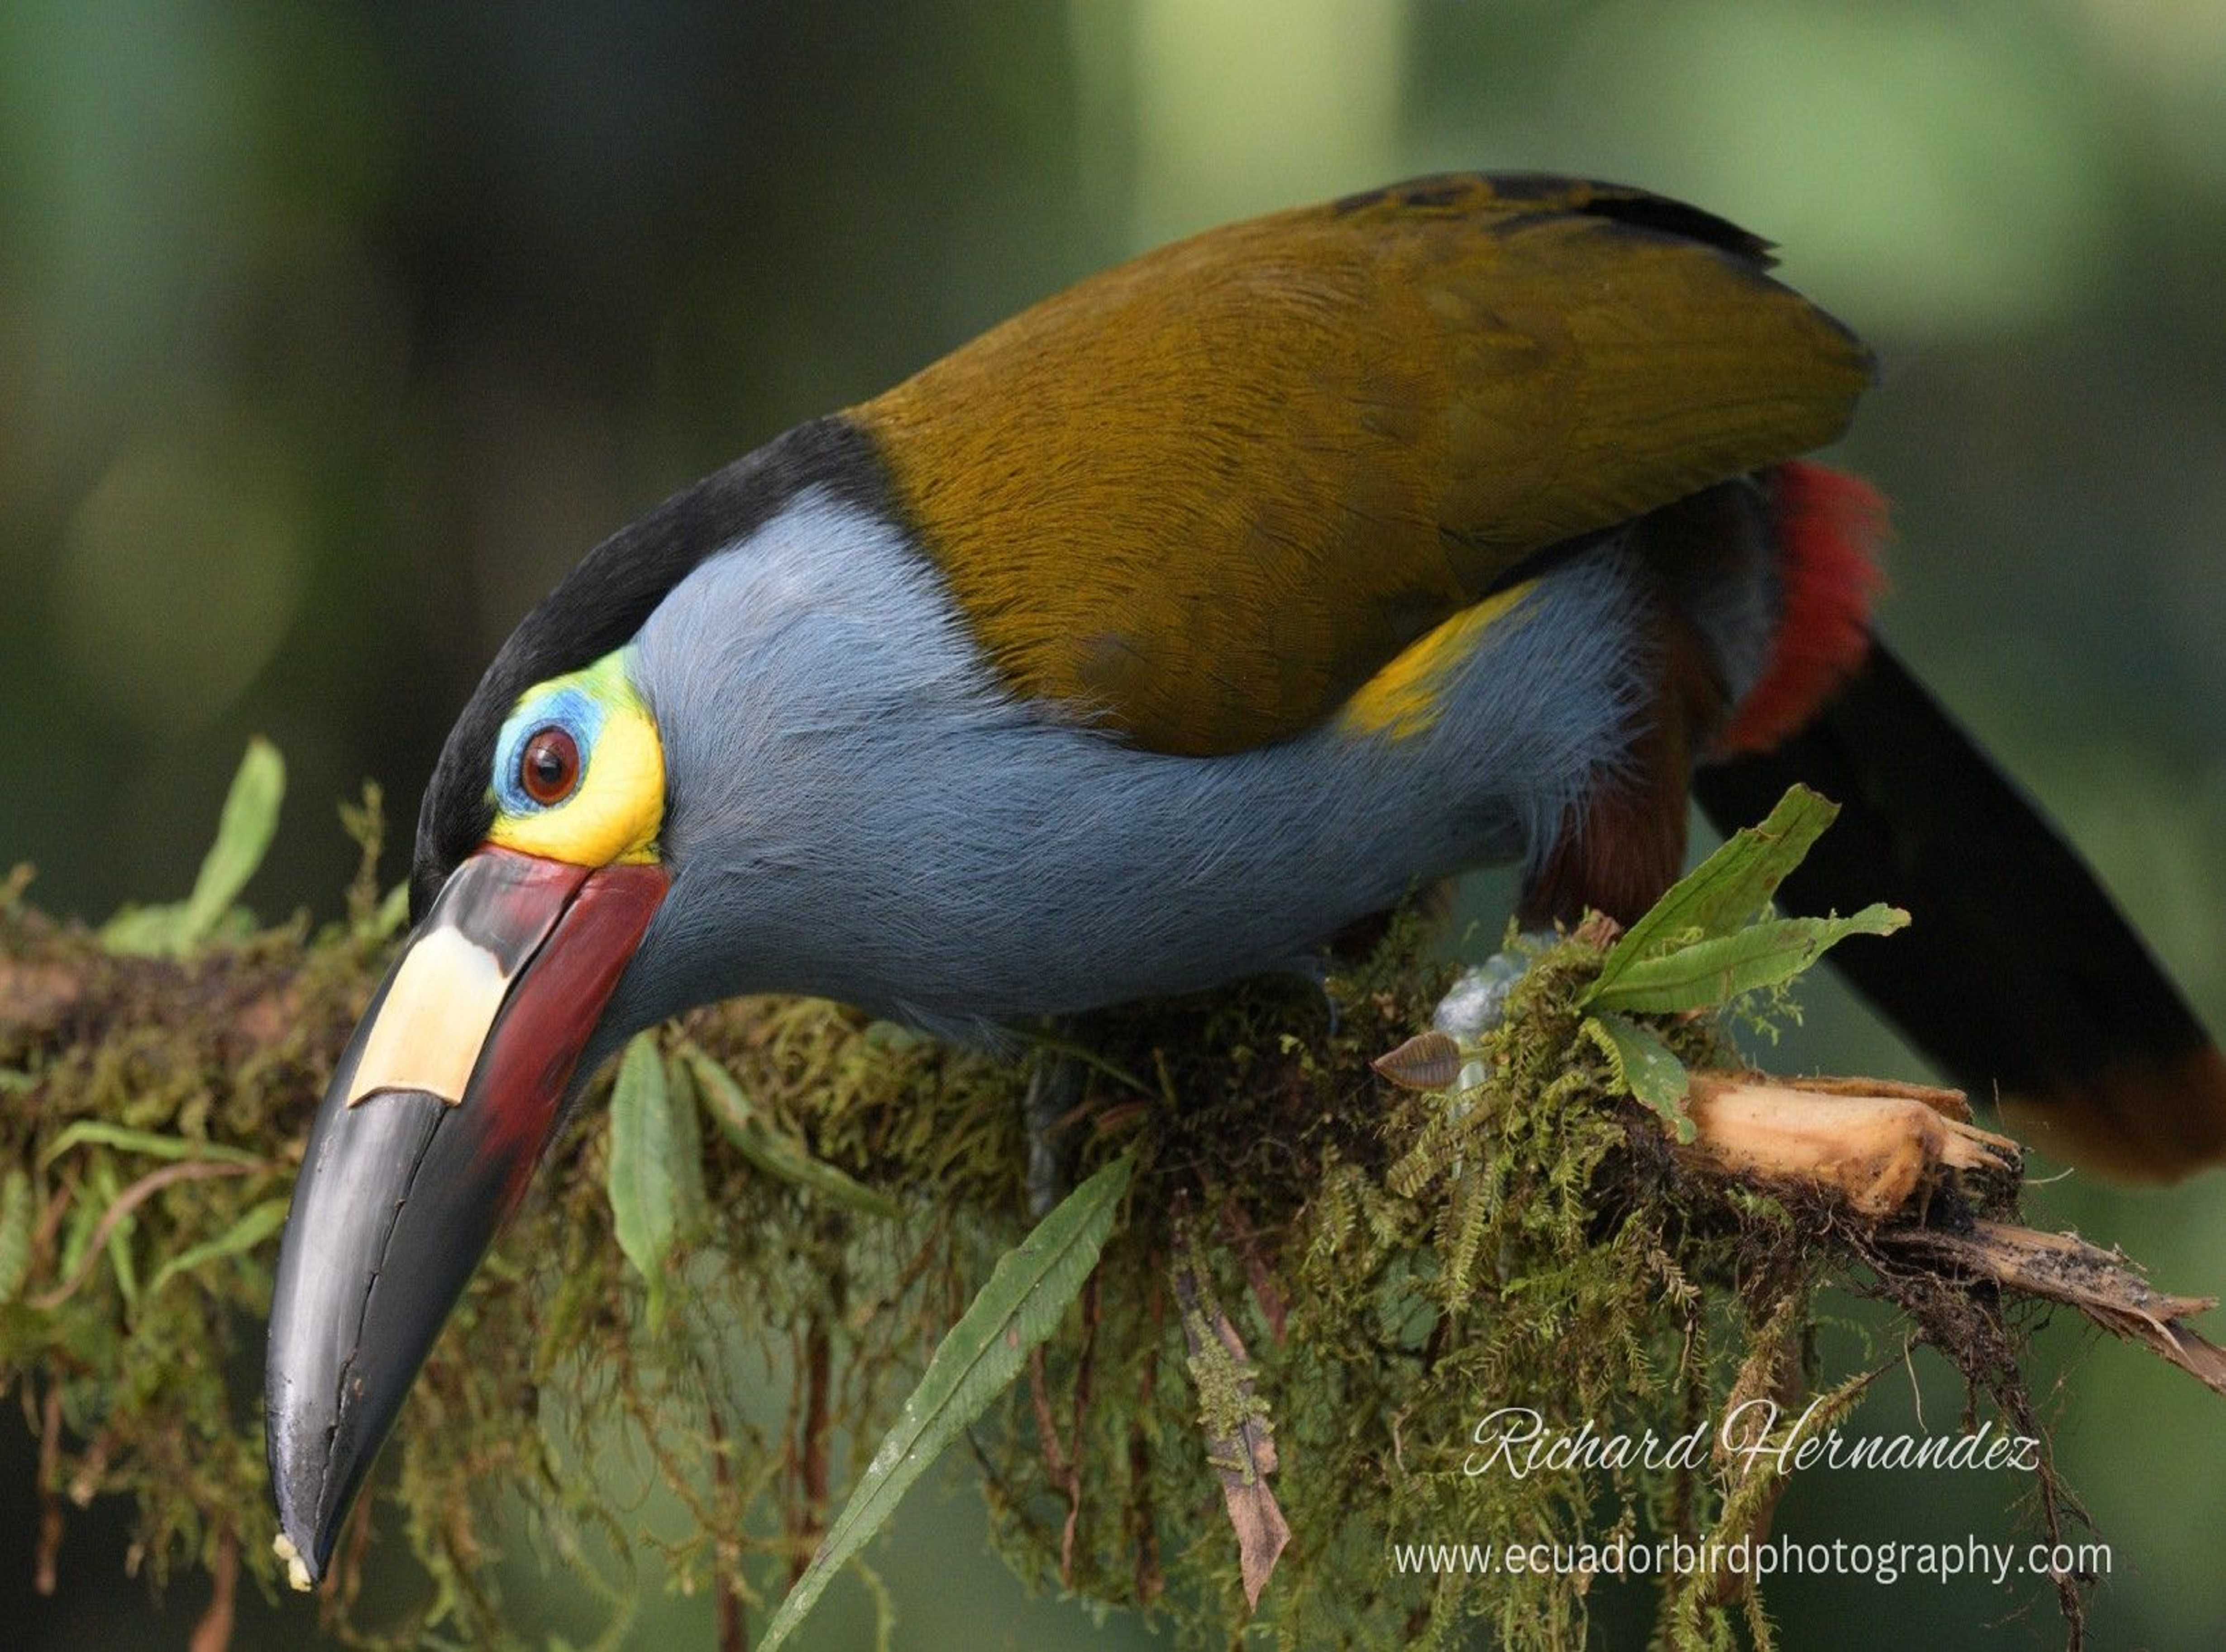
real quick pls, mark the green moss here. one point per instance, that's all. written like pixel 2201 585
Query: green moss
pixel 1397 1263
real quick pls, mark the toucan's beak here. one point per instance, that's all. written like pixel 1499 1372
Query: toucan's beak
pixel 438 1111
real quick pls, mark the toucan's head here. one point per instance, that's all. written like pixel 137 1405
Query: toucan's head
pixel 552 836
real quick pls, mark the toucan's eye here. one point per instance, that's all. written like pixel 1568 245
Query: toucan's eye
pixel 549 766
pixel 584 741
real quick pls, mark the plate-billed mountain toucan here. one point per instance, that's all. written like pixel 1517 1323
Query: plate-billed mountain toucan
pixel 1156 637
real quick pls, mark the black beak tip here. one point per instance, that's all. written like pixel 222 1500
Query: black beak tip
pixel 360 1296
pixel 358 1169
pixel 298 1546
pixel 304 1543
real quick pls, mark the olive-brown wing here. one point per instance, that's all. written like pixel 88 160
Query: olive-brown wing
pixel 1204 495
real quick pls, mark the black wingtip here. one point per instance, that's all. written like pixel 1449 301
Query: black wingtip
pixel 2135 1121
pixel 2020 977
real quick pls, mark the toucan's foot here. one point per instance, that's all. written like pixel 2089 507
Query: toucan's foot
pixel 1055 1084
pixel 1315 969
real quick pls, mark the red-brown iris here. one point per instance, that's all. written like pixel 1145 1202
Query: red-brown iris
pixel 549 768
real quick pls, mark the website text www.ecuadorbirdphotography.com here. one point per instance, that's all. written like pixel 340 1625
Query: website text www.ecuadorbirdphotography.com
pixel 1887 1561
pixel 1756 1436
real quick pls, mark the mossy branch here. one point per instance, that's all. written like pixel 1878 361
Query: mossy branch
pixel 1359 1270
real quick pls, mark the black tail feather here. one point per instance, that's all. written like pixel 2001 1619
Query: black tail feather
pixel 2018 974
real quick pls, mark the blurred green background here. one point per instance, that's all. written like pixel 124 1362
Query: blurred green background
pixel 330 336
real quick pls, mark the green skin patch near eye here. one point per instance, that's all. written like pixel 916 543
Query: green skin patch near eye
pixel 615 808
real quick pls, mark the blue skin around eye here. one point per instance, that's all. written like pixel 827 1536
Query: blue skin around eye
pixel 569 709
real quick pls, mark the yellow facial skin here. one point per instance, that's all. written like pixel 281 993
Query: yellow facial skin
pixel 615 808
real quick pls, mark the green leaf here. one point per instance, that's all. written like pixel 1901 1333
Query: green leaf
pixel 119 1259
pixel 393 912
pixel 101 1195
pixel 250 1230
pixel 77 1234
pixel 1715 971
pixel 101 1134
pixel 1026 1296
pixel 687 1155
pixel 243 834
pixel 14 1234
pixel 1646 1068
pixel 1732 885
pixel 641 1166
pixel 143 931
pixel 773 1151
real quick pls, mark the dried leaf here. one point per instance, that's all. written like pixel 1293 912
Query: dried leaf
pixel 2064 1269
pixel 1428 1061
pixel 1240 1443
pixel 1875 1153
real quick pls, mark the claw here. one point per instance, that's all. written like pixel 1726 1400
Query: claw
pixel 1054 1087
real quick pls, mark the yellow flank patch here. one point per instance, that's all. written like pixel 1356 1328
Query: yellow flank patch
pixel 1401 701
